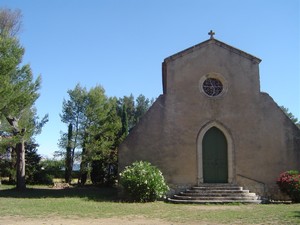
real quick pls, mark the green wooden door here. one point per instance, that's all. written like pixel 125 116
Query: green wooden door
pixel 214 150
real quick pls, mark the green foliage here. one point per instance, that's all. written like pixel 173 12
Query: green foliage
pixel 104 171
pixel 32 162
pixel 99 124
pixel 142 106
pixel 42 177
pixel 73 114
pixel 129 104
pixel 34 168
pixel 289 183
pixel 73 108
pixel 101 133
pixel 98 172
pixel 53 167
pixel 6 169
pixel 35 172
pixel 18 91
pixel 103 124
pixel 124 131
pixel 18 88
pixel 135 109
pixel 143 182
pixel 291 116
pixel 96 127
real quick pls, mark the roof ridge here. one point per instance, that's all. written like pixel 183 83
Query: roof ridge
pixel 209 42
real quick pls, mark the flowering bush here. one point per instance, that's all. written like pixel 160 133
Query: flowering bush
pixel 143 182
pixel 289 183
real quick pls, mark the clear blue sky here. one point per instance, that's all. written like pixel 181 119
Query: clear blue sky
pixel 121 44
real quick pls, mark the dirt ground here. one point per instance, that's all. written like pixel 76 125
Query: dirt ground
pixel 133 220
pixel 10 220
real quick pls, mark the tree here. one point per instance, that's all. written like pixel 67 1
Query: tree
pixel 142 106
pixel 128 101
pixel 32 126
pixel 73 114
pixel 124 131
pixel 102 128
pixel 97 125
pixel 135 109
pixel 10 22
pixel 93 128
pixel 18 89
pixel 32 162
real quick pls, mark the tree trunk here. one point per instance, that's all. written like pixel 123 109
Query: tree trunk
pixel 83 176
pixel 84 162
pixel 68 169
pixel 83 168
pixel 20 150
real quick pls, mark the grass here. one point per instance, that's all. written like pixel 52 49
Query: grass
pixel 95 202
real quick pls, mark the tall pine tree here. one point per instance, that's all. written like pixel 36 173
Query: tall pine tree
pixel 18 89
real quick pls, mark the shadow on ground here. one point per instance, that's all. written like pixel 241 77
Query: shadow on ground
pixel 297 214
pixel 94 193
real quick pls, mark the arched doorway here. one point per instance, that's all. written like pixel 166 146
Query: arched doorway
pixel 214 156
pixel 230 150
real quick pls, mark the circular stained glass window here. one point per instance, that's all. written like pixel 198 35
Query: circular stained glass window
pixel 212 87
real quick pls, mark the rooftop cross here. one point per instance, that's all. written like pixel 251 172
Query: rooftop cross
pixel 211 33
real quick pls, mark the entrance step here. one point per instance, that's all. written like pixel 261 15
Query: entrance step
pixel 215 193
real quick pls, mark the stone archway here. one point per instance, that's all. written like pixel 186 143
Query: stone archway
pixel 230 151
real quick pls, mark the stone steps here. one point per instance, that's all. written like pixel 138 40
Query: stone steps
pixel 213 201
pixel 219 198
pixel 215 193
pixel 218 194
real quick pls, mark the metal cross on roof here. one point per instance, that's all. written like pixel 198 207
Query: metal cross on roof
pixel 211 33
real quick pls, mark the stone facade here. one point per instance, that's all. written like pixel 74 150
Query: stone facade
pixel 261 140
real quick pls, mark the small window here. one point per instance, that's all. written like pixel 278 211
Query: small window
pixel 212 87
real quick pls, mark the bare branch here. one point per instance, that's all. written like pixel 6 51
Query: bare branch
pixel 10 22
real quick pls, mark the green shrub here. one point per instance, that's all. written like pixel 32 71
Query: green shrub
pixel 42 177
pixel 54 167
pixel 289 183
pixel 143 182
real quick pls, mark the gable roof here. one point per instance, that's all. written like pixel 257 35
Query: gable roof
pixel 210 42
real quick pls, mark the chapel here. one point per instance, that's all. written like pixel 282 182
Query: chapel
pixel 213 125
